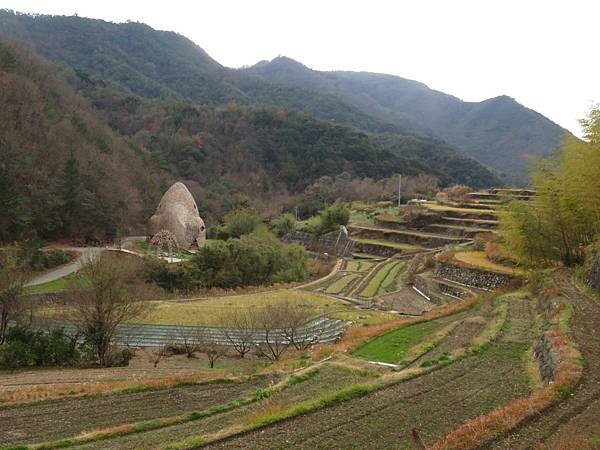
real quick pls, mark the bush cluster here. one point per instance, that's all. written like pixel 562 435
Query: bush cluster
pixel 329 219
pixel 236 223
pixel 27 348
pixel 253 259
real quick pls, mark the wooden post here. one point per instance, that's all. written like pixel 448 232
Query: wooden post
pixel 399 191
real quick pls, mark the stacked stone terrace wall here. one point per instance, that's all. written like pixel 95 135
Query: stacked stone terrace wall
pixel 593 275
pixel 336 242
pixel 477 278
pixel 547 356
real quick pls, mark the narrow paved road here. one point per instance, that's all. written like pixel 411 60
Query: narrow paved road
pixel 86 254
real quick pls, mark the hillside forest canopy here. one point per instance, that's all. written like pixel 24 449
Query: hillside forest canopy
pixel 564 220
pixel 98 159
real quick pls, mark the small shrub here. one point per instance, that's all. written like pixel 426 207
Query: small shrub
pixel 261 394
pixel 54 258
pixel 563 391
pixel 195 415
pixel 458 193
pixel 284 224
pixel 418 216
pixel 296 379
pixel 16 354
pixel 329 219
pixel 120 357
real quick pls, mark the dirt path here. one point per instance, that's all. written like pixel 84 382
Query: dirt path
pixel 434 403
pixel 64 418
pixel 581 413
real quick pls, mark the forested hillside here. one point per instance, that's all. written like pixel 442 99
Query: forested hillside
pixel 135 59
pixel 62 171
pixel 93 162
pixel 497 132
pixel 165 65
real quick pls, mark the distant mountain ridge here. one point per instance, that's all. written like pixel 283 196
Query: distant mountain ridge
pixel 139 61
pixel 498 132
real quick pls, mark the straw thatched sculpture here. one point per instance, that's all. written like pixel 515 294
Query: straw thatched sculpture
pixel 177 212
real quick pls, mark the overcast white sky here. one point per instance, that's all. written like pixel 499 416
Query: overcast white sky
pixel 542 53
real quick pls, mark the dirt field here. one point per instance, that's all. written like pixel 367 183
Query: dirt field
pixel 434 403
pixel 60 418
pixel 24 386
pixel 579 415
pixel 326 380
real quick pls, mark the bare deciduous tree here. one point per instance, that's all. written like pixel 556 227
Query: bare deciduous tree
pixel 156 354
pixel 293 319
pixel 108 291
pixel 210 347
pixel 213 352
pixel 189 339
pixel 12 284
pixel 282 325
pixel 239 329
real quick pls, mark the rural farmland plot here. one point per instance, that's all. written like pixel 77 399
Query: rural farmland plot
pixel 321 330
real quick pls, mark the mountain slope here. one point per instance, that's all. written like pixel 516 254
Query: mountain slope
pixel 133 58
pixel 93 165
pixel 62 170
pixel 166 65
pixel 498 132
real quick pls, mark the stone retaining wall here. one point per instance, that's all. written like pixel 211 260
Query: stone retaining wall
pixel 477 278
pixel 374 249
pixel 437 290
pixel 548 357
pixel 455 291
pixel 593 275
pixel 336 242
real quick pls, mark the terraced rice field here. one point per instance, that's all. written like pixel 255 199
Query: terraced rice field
pixel 390 244
pixel 320 382
pixel 209 312
pixel 479 259
pixel 433 403
pixel 357 265
pixel 341 284
pixel 39 422
pixel 352 273
pixel 392 346
pixel 383 279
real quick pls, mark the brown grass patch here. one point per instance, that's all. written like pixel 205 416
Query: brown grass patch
pixel 29 394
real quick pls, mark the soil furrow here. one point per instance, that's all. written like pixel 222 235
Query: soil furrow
pixel 572 415
pixel 429 403
pixel 69 417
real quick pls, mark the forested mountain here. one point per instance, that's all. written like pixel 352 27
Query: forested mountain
pixel 165 65
pixel 497 132
pixel 82 157
pixel 135 59
pixel 62 170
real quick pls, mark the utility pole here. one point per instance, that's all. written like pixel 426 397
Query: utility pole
pixel 399 190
